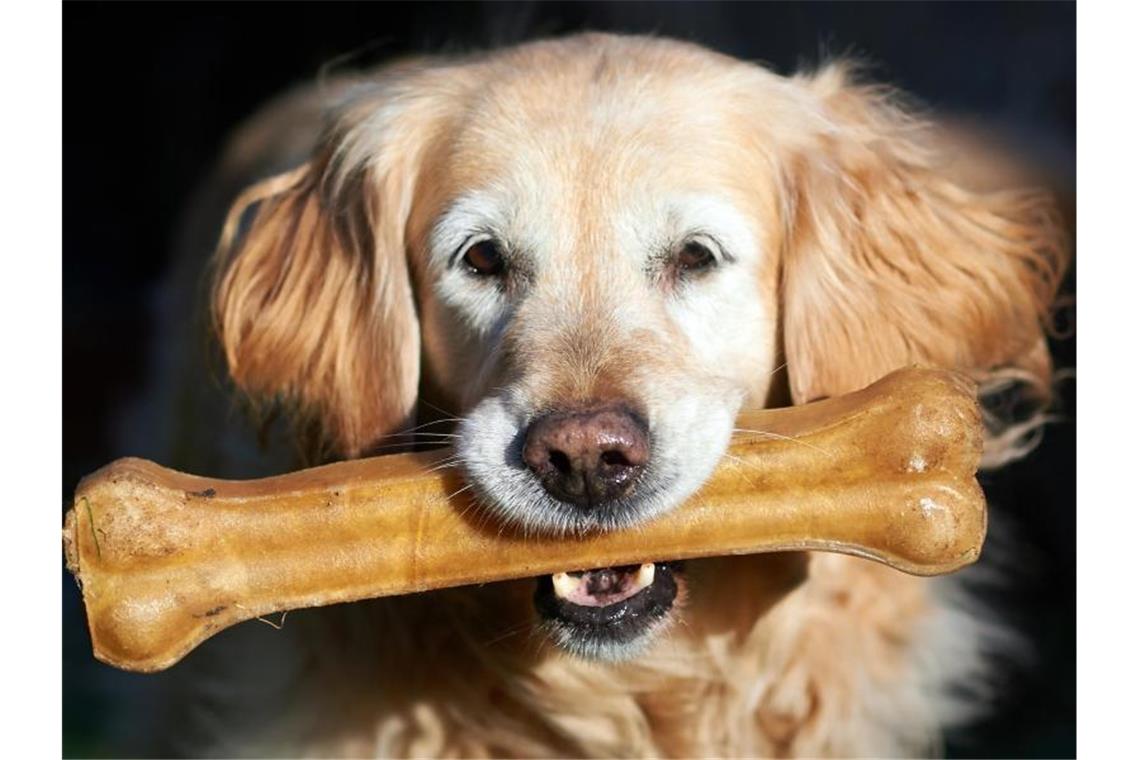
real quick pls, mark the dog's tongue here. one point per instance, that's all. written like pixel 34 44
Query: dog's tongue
pixel 603 586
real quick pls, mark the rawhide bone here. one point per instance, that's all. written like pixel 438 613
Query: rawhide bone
pixel 166 559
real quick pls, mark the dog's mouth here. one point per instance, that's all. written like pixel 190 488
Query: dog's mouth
pixel 607 613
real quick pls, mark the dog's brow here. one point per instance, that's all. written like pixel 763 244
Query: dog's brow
pixel 465 219
pixel 714 219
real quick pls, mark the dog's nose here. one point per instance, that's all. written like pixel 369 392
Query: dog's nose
pixel 587 457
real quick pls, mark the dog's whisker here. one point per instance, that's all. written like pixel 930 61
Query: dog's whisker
pixel 404 448
pixel 743 465
pixel 452 460
pixel 510 631
pixel 471 504
pixel 453 494
pixel 481 513
pixel 441 410
pixel 777 436
pixel 535 639
pixel 408 432
pixel 396 444
pixel 440 421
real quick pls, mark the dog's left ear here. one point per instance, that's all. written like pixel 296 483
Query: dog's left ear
pixel 887 261
pixel 313 301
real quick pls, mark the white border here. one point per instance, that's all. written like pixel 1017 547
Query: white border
pixel 1108 208
pixel 31 121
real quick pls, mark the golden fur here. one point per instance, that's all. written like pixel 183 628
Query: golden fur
pixel 323 301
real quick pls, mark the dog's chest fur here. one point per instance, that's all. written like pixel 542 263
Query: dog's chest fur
pixel 860 660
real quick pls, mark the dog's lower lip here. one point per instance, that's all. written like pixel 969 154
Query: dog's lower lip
pixel 620 607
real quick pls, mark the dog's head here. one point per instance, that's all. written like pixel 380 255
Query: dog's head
pixel 597 250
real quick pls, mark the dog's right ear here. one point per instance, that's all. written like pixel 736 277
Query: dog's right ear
pixel 312 299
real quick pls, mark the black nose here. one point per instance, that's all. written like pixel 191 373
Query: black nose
pixel 587 457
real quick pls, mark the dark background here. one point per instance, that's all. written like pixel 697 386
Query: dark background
pixel 151 91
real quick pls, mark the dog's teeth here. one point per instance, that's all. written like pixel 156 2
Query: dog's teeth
pixel 645 575
pixel 564 585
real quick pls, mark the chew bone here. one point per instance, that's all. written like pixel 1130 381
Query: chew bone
pixel 166 559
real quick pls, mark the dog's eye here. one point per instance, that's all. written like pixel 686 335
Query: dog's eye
pixel 484 259
pixel 694 257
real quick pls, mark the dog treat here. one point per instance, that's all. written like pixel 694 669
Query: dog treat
pixel 166 559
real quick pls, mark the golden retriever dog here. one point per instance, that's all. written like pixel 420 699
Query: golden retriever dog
pixel 578 260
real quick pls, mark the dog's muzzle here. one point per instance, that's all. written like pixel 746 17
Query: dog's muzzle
pixel 592 457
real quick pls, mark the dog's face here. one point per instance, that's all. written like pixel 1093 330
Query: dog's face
pixel 598 314
pixel 601 248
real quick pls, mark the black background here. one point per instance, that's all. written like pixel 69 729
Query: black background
pixel 151 91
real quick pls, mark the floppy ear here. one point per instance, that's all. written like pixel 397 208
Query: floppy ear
pixel 889 262
pixel 313 302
